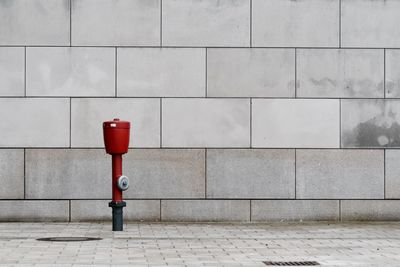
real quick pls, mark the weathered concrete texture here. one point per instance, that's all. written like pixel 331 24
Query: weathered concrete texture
pixel 205 210
pixel 89 114
pixel 112 23
pixel 39 22
pixel 11 173
pixel 249 72
pixel 206 122
pixel 370 210
pixel 335 174
pixel 392 73
pixel 161 72
pixel 38 122
pixel 206 23
pixel 370 23
pixel 370 123
pixel 34 210
pixel 280 23
pixel 67 174
pixel 294 210
pixel 340 73
pixel 168 173
pixel 12 80
pixel 392 173
pixel 295 123
pixel 98 210
pixel 66 71
pixel 250 173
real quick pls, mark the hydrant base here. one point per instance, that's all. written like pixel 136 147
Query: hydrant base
pixel 117 215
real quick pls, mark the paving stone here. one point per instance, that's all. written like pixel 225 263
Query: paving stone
pixel 294 210
pixel 116 23
pixel 239 72
pixel 338 174
pixel 34 210
pixel 250 173
pixel 12 73
pixel 370 210
pixel 11 173
pixel 66 71
pixel 206 23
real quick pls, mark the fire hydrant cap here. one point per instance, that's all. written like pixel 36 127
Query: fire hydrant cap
pixel 117 124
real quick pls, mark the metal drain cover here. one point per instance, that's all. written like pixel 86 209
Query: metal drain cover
pixel 69 239
pixel 291 263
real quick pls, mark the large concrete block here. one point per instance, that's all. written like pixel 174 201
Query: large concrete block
pixel 116 23
pixel 39 122
pixel 283 23
pixel 159 72
pixel 11 173
pixel 168 173
pixel 392 173
pixel 253 72
pixel 370 23
pixel 294 210
pixel 340 73
pixel 205 122
pixel 66 71
pixel 392 73
pixel 206 23
pixel 98 210
pixel 39 22
pixel 89 114
pixel 205 210
pixel 12 71
pixel 250 173
pixel 34 210
pixel 370 210
pixel 334 174
pixel 67 174
pixel 370 123
pixel 295 123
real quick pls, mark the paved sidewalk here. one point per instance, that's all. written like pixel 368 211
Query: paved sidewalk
pixel 172 244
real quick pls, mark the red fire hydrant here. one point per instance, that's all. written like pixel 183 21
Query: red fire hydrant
pixel 116 140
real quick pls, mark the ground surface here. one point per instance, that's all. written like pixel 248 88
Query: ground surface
pixel 161 244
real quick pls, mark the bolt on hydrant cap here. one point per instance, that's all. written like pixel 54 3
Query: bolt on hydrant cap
pixel 117 124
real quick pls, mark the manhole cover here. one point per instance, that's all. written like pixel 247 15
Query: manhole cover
pixel 291 263
pixel 69 239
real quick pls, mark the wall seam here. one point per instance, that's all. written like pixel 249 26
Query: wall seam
pixel 206 78
pixel 25 71
pixel 116 72
pixel 340 23
pixel 161 144
pixel 251 22
pixel 295 73
pixel 70 122
pixel 340 210
pixel 384 73
pixel 384 173
pixel 340 123
pixel 161 11
pixel 70 22
pixel 295 173
pixel 251 123
pixel 205 173
pixel 69 207
pixel 24 173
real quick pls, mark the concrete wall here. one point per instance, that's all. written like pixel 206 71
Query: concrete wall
pixel 241 110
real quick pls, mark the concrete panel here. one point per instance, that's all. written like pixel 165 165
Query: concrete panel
pixel 38 122
pixel 334 174
pixel 392 173
pixel 89 114
pixel 12 72
pixel 370 210
pixel 39 22
pixel 168 173
pixel 206 23
pixel 66 71
pixel 294 210
pixel 392 73
pixel 11 173
pixel 370 23
pixel 98 210
pixel 250 72
pixel 116 23
pixel 205 122
pixel 34 211
pixel 370 123
pixel 158 72
pixel 295 123
pixel 67 174
pixel 250 173
pixel 288 23
pixel 340 73
pixel 205 210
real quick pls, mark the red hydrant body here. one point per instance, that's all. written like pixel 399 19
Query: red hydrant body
pixel 116 140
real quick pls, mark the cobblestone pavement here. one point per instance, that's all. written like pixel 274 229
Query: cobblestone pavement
pixel 173 244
